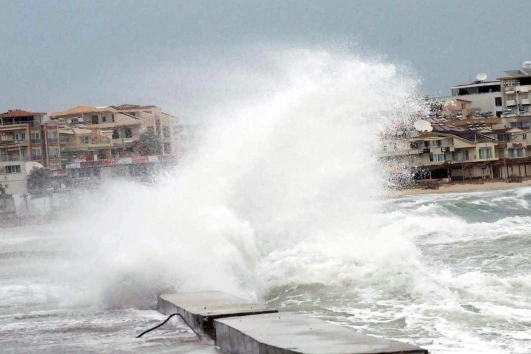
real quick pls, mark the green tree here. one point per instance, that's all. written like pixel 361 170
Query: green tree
pixel 149 143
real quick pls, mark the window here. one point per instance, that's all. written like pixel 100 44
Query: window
pixel 437 143
pixel 485 153
pixel 465 155
pixel 128 132
pixel 52 136
pixel 112 117
pixel 104 119
pixel 463 105
pixel 167 148
pixel 20 136
pixel 115 134
pixel 166 132
pixel 36 154
pixel 516 152
pixel 85 139
pixel 504 137
pixel 13 169
pixel 437 158
pixel 524 137
pixel 498 101
pixel 94 119
pixel 54 153
pixel 36 137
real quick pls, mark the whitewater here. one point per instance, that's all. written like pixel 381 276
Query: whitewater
pixel 283 201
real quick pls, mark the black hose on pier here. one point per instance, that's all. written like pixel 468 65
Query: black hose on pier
pixel 163 323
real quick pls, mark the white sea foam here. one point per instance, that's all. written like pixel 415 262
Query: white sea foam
pixel 284 195
pixel 284 189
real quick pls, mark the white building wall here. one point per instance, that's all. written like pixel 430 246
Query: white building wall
pixel 485 101
pixel 14 183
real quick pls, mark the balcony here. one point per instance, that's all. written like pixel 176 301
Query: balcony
pixel 511 103
pixel 36 157
pixel 36 140
pixel 12 142
pixel 525 101
pixel 13 158
pixel 53 140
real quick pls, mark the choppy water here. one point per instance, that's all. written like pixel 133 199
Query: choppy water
pixel 282 202
pixel 462 284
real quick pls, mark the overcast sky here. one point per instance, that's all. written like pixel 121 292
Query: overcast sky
pixel 59 54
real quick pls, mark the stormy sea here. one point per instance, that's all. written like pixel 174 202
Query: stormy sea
pixel 282 201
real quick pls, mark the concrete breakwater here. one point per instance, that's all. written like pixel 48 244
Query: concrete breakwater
pixel 233 325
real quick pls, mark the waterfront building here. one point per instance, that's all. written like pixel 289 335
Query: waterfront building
pixel 152 118
pixel 516 87
pixel 123 125
pixel 26 136
pixel 485 97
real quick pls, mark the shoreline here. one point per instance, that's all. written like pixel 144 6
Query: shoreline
pixel 460 187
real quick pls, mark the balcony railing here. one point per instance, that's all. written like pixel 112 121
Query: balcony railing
pixel 36 140
pixel 36 157
pixel 53 140
pixel 13 158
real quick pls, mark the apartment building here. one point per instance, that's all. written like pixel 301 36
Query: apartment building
pixel 152 118
pixel 123 125
pixel 112 133
pixel 462 153
pixel 516 87
pixel 26 136
pixel 485 97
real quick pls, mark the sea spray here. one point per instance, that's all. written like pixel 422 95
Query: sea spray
pixel 283 189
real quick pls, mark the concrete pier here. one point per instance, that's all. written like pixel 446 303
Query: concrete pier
pixel 287 332
pixel 200 309
pixel 241 327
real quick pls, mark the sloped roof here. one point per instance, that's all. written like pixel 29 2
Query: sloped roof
pixel 82 110
pixel 13 113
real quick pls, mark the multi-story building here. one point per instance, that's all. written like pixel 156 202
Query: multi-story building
pixel 26 136
pixel 21 135
pixel 152 118
pixel 78 144
pixel 122 124
pixel 105 125
pixel 516 87
pixel 485 97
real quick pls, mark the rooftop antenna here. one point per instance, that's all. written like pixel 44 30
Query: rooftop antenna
pixel 423 126
pixel 481 77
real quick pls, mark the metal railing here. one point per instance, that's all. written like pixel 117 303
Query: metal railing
pixel 13 158
pixel 36 140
